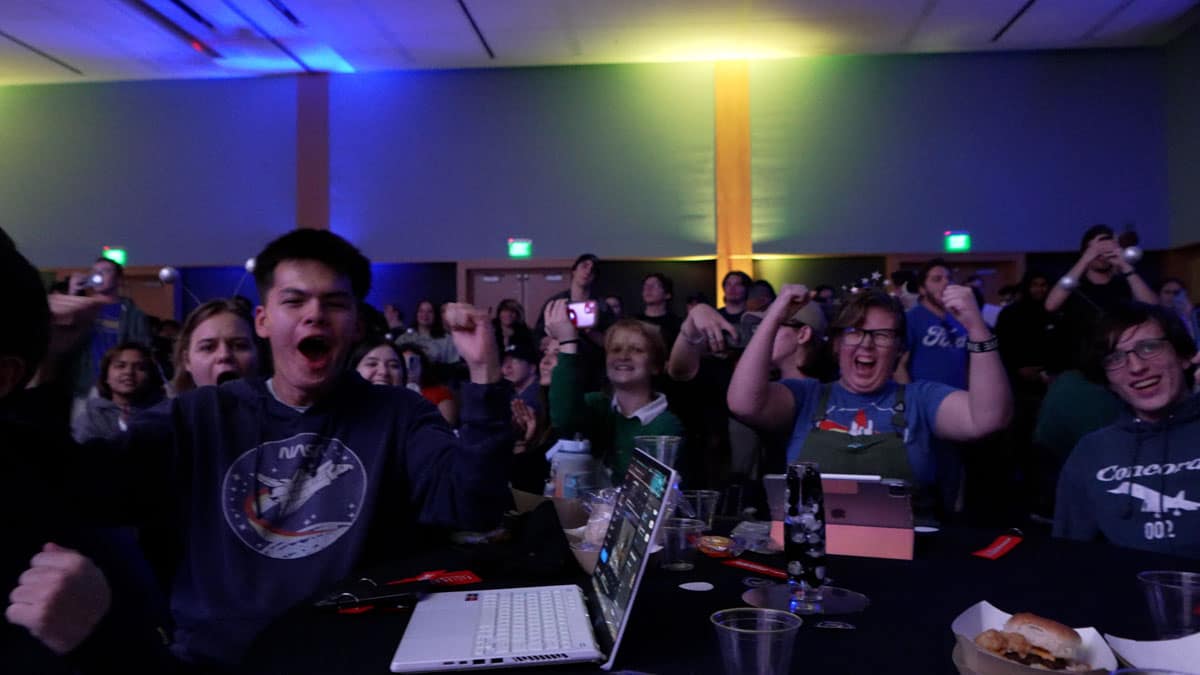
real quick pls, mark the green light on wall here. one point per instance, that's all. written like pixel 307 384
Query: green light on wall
pixel 114 254
pixel 957 242
pixel 520 248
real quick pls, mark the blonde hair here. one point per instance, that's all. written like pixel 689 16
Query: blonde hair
pixel 654 339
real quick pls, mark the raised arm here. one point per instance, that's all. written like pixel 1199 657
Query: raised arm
pixel 702 332
pixel 752 397
pixel 1060 291
pixel 463 482
pixel 986 406
pixel 568 409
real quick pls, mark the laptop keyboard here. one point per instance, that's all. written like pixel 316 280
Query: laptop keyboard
pixel 531 620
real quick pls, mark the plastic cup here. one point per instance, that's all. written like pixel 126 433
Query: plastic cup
pixel 704 505
pixel 663 448
pixel 756 641
pixel 679 543
pixel 1174 602
pixel 599 505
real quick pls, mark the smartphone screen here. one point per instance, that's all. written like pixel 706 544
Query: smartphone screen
pixel 582 314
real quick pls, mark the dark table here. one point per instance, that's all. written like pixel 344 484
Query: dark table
pixel 906 628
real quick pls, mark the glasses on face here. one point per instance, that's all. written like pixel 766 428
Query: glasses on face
pixel 880 337
pixel 1145 349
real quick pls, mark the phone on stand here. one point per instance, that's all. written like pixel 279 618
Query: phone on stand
pixel 582 314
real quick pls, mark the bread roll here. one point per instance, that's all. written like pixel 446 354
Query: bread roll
pixel 1060 641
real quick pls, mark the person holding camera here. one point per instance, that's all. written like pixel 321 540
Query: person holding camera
pixel 120 320
pixel 1101 279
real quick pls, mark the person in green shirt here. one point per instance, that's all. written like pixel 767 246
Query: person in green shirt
pixel 634 354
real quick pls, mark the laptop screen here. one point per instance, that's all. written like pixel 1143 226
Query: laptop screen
pixel 626 546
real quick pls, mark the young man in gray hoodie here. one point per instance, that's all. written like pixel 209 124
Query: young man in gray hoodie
pixel 1136 482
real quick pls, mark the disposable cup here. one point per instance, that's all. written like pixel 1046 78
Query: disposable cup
pixel 756 641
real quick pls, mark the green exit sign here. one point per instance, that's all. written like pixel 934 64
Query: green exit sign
pixel 114 254
pixel 957 242
pixel 520 248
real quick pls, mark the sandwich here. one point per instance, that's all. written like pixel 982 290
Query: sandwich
pixel 1037 642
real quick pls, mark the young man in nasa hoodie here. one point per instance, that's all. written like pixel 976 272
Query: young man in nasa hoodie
pixel 1136 483
pixel 275 489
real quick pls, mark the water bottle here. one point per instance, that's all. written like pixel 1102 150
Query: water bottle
pixel 572 468
pixel 804 528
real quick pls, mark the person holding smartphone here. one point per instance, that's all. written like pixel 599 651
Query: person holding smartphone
pixel 634 355
pixel 591 335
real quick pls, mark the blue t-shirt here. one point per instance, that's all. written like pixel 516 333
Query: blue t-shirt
pixel 866 414
pixel 106 334
pixel 937 348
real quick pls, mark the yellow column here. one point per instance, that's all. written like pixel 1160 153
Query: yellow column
pixel 312 151
pixel 731 124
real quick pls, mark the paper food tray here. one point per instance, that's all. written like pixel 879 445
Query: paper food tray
pixel 983 616
pixel 1181 654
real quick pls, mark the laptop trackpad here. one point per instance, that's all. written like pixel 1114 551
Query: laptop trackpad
pixel 437 629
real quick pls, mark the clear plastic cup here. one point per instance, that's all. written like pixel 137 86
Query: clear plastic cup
pixel 704 505
pixel 599 505
pixel 679 543
pixel 756 641
pixel 1174 601
pixel 663 448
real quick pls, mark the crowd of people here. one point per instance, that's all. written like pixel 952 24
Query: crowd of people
pixel 231 466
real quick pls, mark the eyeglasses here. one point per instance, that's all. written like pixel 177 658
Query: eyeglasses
pixel 1146 350
pixel 880 337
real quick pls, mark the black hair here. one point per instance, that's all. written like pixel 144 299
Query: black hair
pixel 321 246
pixel 150 391
pixel 24 301
pixel 1093 232
pixel 739 274
pixel 904 280
pixel 368 345
pixel 372 319
pixel 764 285
pixel 116 265
pixel 667 284
pixel 584 257
pixel 437 330
pixel 1127 315
pixel 923 273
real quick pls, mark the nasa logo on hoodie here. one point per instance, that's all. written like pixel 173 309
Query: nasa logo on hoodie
pixel 292 498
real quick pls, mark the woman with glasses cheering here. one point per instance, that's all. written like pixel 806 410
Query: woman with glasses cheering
pixel 1136 482
pixel 866 422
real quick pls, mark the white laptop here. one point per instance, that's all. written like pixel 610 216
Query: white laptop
pixel 546 624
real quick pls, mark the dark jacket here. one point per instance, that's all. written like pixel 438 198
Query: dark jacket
pixel 35 445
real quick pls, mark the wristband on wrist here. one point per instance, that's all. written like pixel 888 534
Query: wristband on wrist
pixel 572 341
pixel 989 345
pixel 1067 282
pixel 690 341
pixel 1130 273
